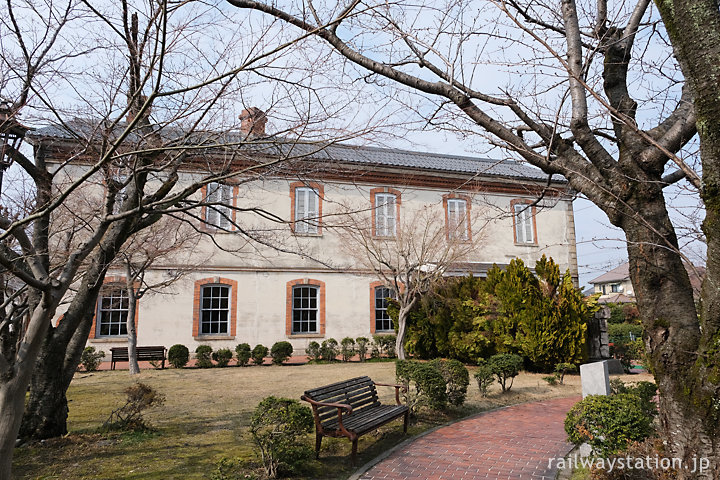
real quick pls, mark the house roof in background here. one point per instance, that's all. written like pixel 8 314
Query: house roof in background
pixel 617 274
pixel 85 129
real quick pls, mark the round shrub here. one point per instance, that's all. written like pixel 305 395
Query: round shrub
pixel 608 423
pixel 90 359
pixel 456 378
pixel 280 352
pixel 278 427
pixel 313 351
pixel 425 385
pixel 362 347
pixel 178 356
pixel 243 353
pixel 329 350
pixel 505 366
pixel 258 354
pixel 484 376
pixel 347 349
pixel 222 356
pixel 203 355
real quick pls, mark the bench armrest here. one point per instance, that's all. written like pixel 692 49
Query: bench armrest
pixel 397 389
pixel 339 406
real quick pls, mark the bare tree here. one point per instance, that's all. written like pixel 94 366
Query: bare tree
pixel 595 96
pixel 410 254
pixel 170 243
pixel 139 104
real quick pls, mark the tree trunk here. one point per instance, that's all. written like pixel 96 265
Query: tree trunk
pixel 133 366
pixel 672 334
pixel 402 330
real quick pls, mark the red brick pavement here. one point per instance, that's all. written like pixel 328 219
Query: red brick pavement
pixel 510 443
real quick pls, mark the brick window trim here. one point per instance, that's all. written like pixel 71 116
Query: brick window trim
pixel 289 304
pixel 533 213
pixel 398 201
pixel 110 281
pixel 468 207
pixel 203 209
pixel 320 189
pixel 196 306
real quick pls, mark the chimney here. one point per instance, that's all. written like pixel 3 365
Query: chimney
pixel 253 121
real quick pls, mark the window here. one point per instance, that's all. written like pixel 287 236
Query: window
pixel 383 322
pixel 457 219
pixel 215 310
pixel 307 210
pixel 385 216
pixel 524 219
pixel 218 201
pixel 112 313
pixel 615 288
pixel 305 307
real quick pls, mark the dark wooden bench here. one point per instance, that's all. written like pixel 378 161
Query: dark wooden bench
pixel 350 409
pixel 120 354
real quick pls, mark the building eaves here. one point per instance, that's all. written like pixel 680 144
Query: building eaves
pixel 84 130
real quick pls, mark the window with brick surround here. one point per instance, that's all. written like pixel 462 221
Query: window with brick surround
pixel 112 313
pixel 383 322
pixel 218 211
pixel 307 210
pixel 215 310
pixel 524 222
pixel 305 307
pixel 385 214
pixel 456 217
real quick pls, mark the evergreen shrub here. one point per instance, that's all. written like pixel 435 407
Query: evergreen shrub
pixel 222 356
pixel 258 354
pixel 203 354
pixel 243 354
pixel 178 355
pixel 280 352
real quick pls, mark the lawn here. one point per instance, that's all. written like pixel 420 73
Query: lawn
pixel 206 416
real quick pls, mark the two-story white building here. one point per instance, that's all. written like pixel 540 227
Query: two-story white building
pixel 296 281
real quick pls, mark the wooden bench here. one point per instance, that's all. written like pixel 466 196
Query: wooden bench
pixel 350 409
pixel 120 354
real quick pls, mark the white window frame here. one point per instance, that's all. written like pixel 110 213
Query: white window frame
pixel 307 210
pixel 112 314
pixel 382 309
pixel 524 223
pixel 457 218
pixel 298 308
pixel 216 308
pixel 385 214
pixel 218 209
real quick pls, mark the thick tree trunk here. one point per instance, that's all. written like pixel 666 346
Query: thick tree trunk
pixel 12 396
pixel 672 334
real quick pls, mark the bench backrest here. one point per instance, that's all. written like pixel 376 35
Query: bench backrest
pixel 122 352
pixel 357 392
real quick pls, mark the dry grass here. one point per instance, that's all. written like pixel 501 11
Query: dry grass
pixel 206 415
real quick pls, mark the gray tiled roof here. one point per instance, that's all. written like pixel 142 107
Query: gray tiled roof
pixel 85 129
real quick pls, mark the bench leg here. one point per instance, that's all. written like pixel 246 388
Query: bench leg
pixel 353 456
pixel 405 421
pixel 318 441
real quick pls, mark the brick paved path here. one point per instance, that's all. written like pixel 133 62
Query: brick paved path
pixel 511 443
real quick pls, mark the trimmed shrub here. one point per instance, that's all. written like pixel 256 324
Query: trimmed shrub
pixel 329 350
pixel 385 345
pixel 484 376
pixel 280 352
pixel 90 359
pixel 222 356
pixel 203 354
pixel 313 351
pixel 258 354
pixel 243 354
pixel 362 347
pixel 505 366
pixel 456 378
pixel 644 391
pixel 347 349
pixel 608 423
pixel 178 356
pixel 277 426
pixel 424 385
